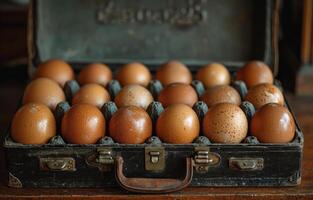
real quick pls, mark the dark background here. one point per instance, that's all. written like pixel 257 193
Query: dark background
pixel 13 48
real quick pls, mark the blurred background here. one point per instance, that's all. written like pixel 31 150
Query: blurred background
pixel 295 47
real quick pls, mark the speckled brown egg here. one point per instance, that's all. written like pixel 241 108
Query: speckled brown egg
pixel 95 73
pixel 221 94
pixel 213 74
pixel 33 123
pixel 265 93
pixel 173 72
pixel 83 124
pixel 45 91
pixel 133 95
pixel 254 73
pixel 225 123
pixel 57 70
pixel 130 125
pixel 178 93
pixel 93 94
pixel 134 73
pixel 178 124
pixel 273 123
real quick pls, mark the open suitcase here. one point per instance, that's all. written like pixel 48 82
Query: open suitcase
pixel 115 32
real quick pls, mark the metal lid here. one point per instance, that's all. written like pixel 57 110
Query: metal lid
pixel 195 32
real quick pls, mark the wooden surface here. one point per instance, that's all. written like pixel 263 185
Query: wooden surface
pixel 302 107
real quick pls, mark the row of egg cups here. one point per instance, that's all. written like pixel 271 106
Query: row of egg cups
pixel 154 109
pixel 212 74
pixel 132 73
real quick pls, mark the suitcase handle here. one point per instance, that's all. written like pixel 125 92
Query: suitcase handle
pixel 152 185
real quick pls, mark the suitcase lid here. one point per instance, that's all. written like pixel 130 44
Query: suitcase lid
pixel 114 32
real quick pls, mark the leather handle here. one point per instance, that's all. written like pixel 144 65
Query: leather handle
pixel 152 185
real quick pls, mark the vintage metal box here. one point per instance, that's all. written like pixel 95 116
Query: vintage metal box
pixel 115 32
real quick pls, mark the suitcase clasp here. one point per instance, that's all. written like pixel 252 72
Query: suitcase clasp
pixel 204 159
pixel 103 159
pixel 246 164
pixel 154 158
pixel 57 164
pixel 105 156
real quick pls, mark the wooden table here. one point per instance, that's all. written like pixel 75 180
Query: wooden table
pixel 303 108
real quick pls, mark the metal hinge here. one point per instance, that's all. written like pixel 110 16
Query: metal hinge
pixel 102 159
pixel 246 164
pixel 57 163
pixel 105 156
pixel 154 158
pixel 204 159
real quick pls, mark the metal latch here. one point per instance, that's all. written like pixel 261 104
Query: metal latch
pixel 246 164
pixel 154 158
pixel 203 159
pixel 57 164
pixel 105 156
pixel 103 159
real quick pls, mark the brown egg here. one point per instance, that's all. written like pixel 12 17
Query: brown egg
pixel 33 123
pixel 133 73
pixel 178 124
pixel 221 94
pixel 133 95
pixel 263 94
pixel 213 74
pixel 130 125
pixel 92 94
pixel 175 93
pixel 173 72
pixel 57 70
pixel 273 123
pixel 95 73
pixel 254 73
pixel 225 123
pixel 45 91
pixel 83 124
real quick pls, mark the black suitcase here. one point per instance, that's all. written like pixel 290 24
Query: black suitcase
pixel 115 32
